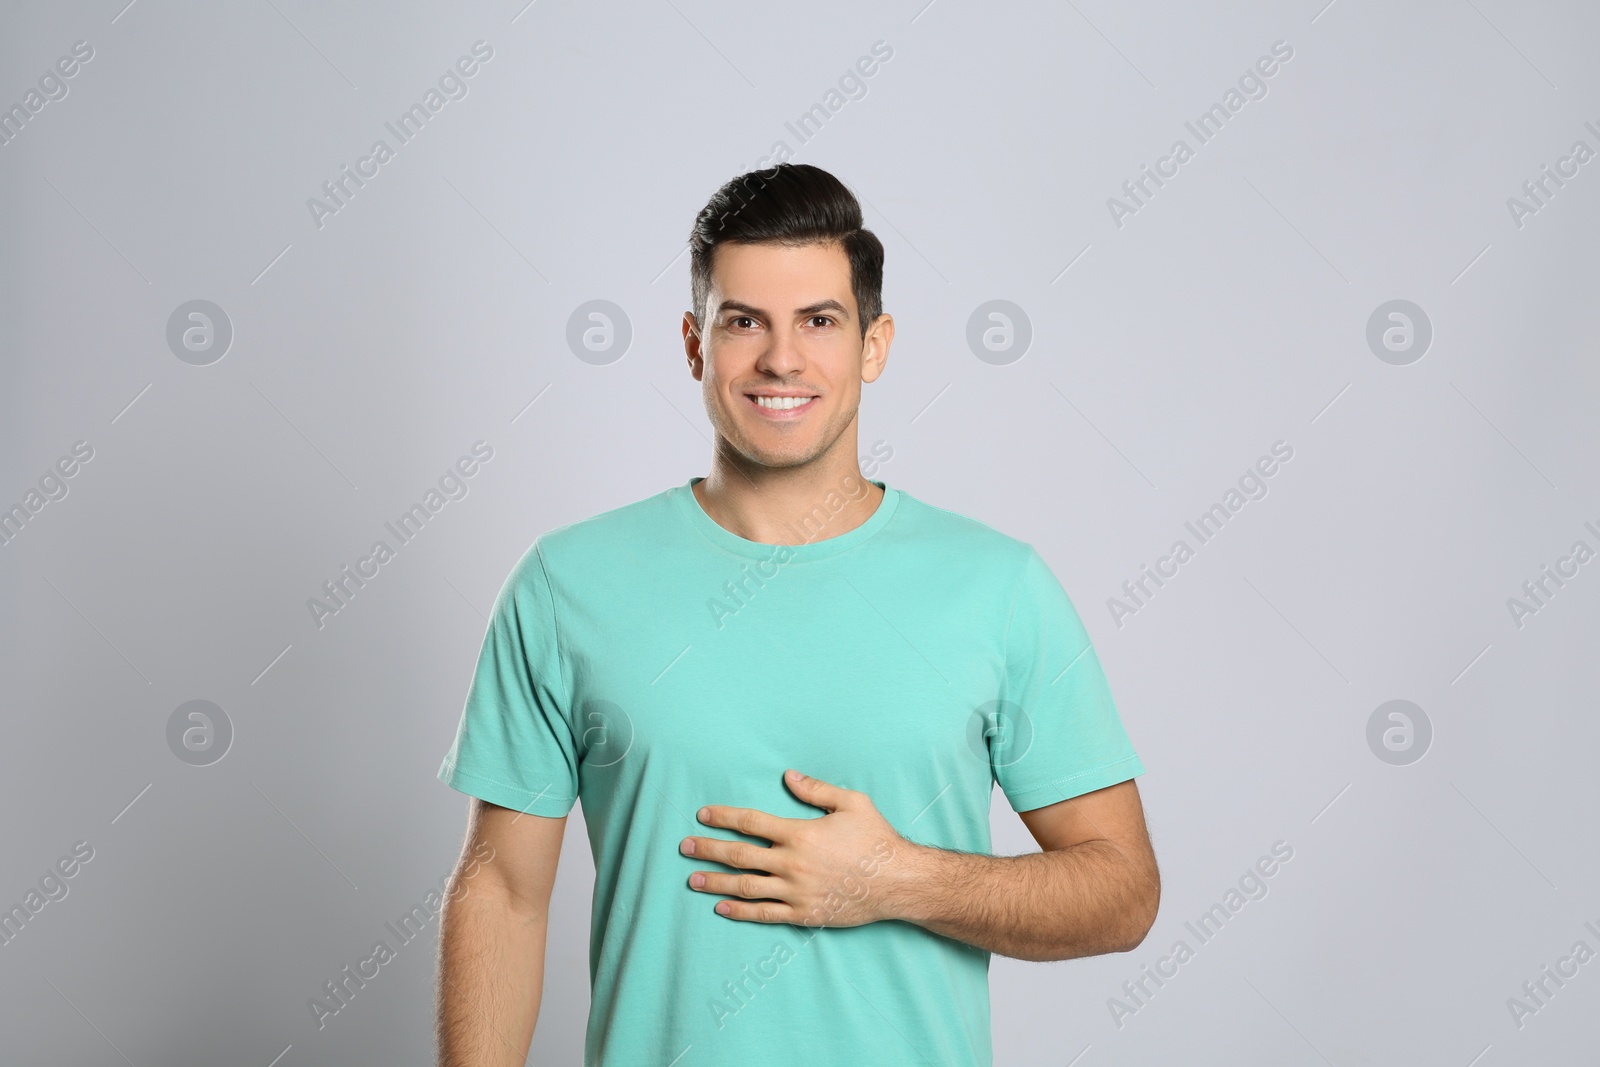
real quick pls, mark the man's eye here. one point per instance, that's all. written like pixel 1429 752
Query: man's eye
pixel 822 319
pixel 744 319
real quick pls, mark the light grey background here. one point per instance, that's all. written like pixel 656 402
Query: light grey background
pixel 1168 353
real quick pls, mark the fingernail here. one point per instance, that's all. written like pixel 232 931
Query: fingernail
pixel 688 846
pixel 795 776
pixel 697 880
pixel 724 908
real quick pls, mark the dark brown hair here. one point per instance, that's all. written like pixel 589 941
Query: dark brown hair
pixel 792 204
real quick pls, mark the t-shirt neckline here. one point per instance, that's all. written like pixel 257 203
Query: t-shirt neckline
pixel 819 548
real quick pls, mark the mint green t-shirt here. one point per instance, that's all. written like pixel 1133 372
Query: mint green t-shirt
pixel 648 661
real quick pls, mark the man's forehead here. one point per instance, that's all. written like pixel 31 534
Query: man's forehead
pixel 805 276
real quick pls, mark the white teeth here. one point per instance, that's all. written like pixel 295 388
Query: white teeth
pixel 782 403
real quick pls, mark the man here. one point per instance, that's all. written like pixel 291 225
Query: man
pixel 670 662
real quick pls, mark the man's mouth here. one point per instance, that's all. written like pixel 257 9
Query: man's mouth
pixel 781 407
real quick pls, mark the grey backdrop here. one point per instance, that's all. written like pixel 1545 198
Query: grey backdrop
pixel 1150 354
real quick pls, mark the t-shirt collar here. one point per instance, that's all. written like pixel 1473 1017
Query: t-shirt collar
pixel 810 542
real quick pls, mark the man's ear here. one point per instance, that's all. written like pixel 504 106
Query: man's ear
pixel 691 345
pixel 875 347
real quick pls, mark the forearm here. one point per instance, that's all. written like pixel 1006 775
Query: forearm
pixel 1083 900
pixel 491 976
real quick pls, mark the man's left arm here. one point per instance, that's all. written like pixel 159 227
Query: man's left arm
pixel 1094 887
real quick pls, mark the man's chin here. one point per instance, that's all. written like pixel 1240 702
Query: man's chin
pixel 778 458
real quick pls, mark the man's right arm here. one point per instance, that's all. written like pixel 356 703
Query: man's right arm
pixel 492 937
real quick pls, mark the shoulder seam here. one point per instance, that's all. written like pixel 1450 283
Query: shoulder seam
pixel 1016 588
pixel 555 620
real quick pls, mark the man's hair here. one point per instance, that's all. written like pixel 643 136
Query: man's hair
pixel 790 204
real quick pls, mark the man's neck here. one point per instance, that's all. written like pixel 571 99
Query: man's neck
pixel 788 506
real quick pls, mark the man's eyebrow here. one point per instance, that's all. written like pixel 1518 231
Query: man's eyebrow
pixel 810 309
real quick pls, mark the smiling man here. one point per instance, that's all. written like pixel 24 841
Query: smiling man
pixel 787 800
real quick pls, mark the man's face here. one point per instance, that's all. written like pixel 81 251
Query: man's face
pixel 780 354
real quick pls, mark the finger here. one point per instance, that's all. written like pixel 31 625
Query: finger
pixel 816 792
pixel 741 854
pixel 756 911
pixel 745 820
pixel 746 885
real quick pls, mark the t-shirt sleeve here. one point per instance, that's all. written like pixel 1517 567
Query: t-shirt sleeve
pixel 514 745
pixel 1055 733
